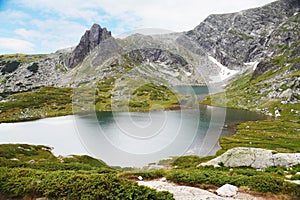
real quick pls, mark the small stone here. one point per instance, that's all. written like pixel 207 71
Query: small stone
pixel 31 161
pixel 288 176
pixel 298 173
pixel 140 178
pixel 227 190
pixel 163 179
pixel 295 181
pixel 277 113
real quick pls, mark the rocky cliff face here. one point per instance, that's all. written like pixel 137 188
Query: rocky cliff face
pixel 283 63
pixel 90 40
pixel 237 38
pixel 26 72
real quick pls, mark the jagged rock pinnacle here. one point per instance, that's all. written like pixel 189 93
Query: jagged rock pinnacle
pixel 91 39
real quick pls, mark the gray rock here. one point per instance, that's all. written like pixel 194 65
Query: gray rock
pixel 244 36
pixel 227 190
pixel 254 157
pixel 91 39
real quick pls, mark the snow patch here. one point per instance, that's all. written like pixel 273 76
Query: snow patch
pixel 224 72
pixel 252 65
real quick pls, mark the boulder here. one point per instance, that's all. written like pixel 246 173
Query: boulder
pixel 254 157
pixel 227 190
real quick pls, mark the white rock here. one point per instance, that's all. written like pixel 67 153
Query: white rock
pixel 140 178
pixel 288 176
pixel 31 161
pixel 298 173
pixel 181 192
pixel 227 190
pixel 277 113
pixel 295 181
pixel 254 157
pixel 163 179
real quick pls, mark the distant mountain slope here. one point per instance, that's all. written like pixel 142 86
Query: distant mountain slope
pixel 273 87
pixel 237 38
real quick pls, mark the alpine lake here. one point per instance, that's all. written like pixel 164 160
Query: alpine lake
pixel 134 139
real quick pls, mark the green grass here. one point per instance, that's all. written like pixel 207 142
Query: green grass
pixel 76 177
pixel 72 185
pixel 250 93
pixel 282 136
pixel 40 103
pixel 22 58
pixel 186 172
pixel 204 177
pixel 146 97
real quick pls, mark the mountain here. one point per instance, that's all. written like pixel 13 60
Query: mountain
pixel 220 47
pixel 91 39
pixel 237 38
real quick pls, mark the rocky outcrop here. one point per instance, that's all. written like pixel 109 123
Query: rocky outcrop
pixel 283 42
pixel 157 55
pixel 227 190
pixel 180 192
pixel 24 75
pixel 192 193
pixel 254 157
pixel 237 38
pixel 90 40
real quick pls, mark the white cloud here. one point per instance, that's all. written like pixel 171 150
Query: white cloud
pixel 64 21
pixel 28 34
pixel 13 15
pixel 177 15
pixel 52 34
pixel 16 45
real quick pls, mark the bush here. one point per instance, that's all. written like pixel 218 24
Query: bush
pixel 72 185
pixel 10 67
pixel 257 181
pixel 33 68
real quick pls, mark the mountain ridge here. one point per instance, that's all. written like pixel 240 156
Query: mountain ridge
pixel 217 47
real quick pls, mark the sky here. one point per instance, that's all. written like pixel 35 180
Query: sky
pixel 44 26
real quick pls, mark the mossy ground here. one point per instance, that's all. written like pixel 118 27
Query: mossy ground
pixel 84 177
pixel 28 171
pixel 245 92
pixel 52 101
pixel 143 97
pixel 185 171
pixel 40 103
pixel 22 58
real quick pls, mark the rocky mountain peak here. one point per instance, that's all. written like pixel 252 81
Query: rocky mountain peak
pixel 241 37
pixel 91 39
